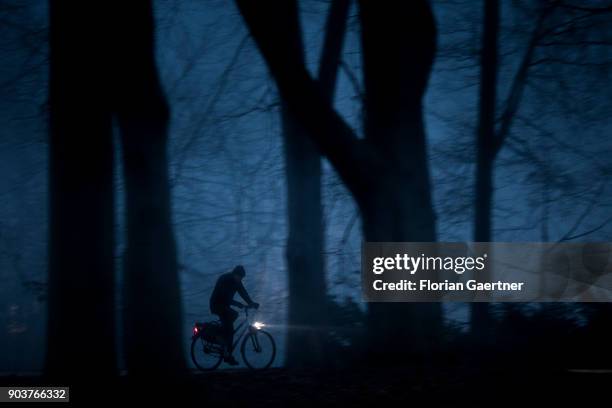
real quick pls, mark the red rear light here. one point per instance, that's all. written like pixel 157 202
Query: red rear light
pixel 196 331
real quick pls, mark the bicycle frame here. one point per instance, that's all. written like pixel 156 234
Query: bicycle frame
pixel 248 327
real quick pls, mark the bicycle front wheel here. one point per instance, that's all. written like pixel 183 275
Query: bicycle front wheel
pixel 205 355
pixel 258 350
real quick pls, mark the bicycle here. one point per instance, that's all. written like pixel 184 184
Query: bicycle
pixel 258 348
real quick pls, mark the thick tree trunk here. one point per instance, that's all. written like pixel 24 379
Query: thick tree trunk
pixel 81 309
pixel 485 146
pixel 304 252
pixel 398 211
pixel 305 244
pixel 398 49
pixel 152 317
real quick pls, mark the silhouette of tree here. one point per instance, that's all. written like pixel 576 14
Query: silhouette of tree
pixel 386 172
pixel 307 315
pixel 113 76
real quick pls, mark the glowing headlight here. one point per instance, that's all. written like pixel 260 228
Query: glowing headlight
pixel 258 325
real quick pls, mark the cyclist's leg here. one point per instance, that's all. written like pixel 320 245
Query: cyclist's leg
pixel 233 315
pixel 228 316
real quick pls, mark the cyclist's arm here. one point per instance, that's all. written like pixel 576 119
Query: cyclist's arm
pixel 243 294
pixel 237 304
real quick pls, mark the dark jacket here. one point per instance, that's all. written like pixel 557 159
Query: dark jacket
pixel 223 294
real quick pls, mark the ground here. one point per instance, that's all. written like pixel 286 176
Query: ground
pixel 449 387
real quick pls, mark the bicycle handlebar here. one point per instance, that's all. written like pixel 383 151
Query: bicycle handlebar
pixel 246 309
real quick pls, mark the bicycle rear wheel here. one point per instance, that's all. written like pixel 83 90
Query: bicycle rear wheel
pixel 205 355
pixel 258 350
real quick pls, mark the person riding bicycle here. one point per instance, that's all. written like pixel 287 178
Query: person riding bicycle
pixel 221 300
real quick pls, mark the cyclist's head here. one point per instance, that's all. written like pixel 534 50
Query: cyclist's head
pixel 239 272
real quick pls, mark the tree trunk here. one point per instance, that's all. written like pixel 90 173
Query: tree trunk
pixel 304 252
pixel 398 42
pixel 81 322
pixel 305 244
pixel 153 324
pixel 486 151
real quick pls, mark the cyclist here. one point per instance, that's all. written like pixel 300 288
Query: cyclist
pixel 222 299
